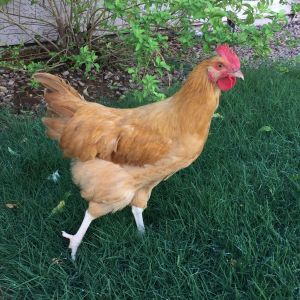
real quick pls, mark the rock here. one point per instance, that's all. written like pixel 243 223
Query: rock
pixel 11 82
pixel 108 75
pixel 65 73
pixel 3 89
pixel 81 83
pixel 7 98
pixel 2 94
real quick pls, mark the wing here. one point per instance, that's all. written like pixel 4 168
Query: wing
pixel 113 135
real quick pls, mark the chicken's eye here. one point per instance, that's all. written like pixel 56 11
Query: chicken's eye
pixel 220 65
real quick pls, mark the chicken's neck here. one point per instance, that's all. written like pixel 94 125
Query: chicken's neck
pixel 197 100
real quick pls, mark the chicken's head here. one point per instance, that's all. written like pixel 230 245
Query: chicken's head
pixel 225 68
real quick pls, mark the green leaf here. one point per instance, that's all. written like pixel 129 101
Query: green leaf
pixel 131 70
pixel 218 116
pixel 61 204
pixel 12 152
pixel 3 2
pixel 58 208
pixel 265 128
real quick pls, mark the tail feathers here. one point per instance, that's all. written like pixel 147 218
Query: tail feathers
pixel 61 98
pixel 55 127
pixel 55 84
pixel 63 101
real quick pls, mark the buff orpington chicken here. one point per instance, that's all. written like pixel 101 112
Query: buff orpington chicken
pixel 120 155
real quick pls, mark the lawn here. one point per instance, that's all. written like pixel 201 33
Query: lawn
pixel 227 227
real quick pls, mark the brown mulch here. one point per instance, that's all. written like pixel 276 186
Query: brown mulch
pixel 17 92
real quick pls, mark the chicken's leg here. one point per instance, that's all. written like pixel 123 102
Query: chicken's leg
pixel 138 217
pixel 75 240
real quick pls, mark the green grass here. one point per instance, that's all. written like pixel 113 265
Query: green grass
pixel 227 227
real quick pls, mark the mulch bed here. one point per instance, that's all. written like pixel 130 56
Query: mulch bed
pixel 16 91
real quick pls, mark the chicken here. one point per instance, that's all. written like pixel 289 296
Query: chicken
pixel 120 155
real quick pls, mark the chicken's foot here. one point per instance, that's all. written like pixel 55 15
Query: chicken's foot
pixel 75 240
pixel 138 217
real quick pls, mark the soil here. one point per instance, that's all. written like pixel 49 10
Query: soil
pixel 17 92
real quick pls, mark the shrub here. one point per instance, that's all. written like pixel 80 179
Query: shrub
pixel 142 31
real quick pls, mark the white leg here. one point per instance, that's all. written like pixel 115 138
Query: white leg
pixel 138 216
pixel 75 240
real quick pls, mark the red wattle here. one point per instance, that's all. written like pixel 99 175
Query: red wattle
pixel 226 83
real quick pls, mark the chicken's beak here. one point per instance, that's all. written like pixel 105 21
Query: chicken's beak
pixel 238 74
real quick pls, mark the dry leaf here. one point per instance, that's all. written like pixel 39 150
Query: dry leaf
pixel 56 260
pixel 11 205
pixel 85 92
pixel 233 262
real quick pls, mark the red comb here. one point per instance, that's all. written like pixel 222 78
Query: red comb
pixel 226 52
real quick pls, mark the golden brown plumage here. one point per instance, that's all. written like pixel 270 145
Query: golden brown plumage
pixel 119 155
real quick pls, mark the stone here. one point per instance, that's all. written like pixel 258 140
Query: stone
pixel 3 89
pixel 108 75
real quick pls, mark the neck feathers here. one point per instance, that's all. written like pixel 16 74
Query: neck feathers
pixel 197 100
pixel 197 84
pixel 198 92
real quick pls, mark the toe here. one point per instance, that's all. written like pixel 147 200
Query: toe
pixel 75 241
pixel 66 235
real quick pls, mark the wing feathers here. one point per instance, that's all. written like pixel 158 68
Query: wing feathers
pixel 89 130
pixel 91 133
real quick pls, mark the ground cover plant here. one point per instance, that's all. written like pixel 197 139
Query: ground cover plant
pixel 225 228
